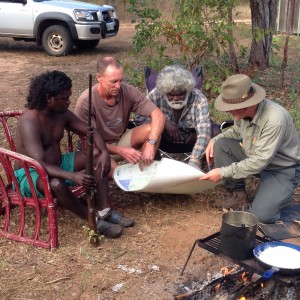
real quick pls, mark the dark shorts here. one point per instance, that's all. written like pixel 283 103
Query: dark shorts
pixel 67 164
pixel 186 144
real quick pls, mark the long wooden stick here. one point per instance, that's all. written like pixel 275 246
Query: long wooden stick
pixel 89 171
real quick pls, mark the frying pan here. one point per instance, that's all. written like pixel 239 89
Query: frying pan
pixel 257 251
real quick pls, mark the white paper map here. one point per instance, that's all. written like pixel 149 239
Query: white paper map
pixel 166 176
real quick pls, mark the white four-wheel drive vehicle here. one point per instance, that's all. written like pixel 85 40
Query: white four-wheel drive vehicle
pixel 57 25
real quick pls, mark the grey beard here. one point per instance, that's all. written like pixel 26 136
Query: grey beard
pixel 178 104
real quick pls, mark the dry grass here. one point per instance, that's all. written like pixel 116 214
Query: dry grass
pixel 166 225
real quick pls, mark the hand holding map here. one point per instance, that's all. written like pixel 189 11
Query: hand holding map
pixel 166 176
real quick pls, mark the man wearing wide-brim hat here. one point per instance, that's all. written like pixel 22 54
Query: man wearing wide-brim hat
pixel 263 141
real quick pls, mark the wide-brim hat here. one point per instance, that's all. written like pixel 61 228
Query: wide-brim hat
pixel 238 91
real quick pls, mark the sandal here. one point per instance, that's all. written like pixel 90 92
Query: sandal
pixel 115 217
pixel 109 230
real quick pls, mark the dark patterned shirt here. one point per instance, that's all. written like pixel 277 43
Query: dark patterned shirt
pixel 195 115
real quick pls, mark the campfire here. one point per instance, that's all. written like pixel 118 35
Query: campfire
pixel 244 280
pixel 235 283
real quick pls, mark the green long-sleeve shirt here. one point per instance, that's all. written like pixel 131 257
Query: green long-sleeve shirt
pixel 270 141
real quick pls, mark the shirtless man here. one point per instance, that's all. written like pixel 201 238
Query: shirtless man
pixel 39 133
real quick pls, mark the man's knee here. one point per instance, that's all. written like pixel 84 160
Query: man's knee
pixel 57 185
pixel 140 135
pixel 113 164
pixel 264 208
pixel 143 130
pixel 220 146
pixel 148 129
pixel 96 153
pixel 222 143
pixel 227 151
pixel 265 215
pixel 96 157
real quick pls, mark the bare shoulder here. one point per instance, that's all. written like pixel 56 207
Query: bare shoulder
pixel 29 116
pixel 29 113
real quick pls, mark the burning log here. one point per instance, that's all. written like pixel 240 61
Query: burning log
pixel 239 284
pixel 230 280
pixel 280 287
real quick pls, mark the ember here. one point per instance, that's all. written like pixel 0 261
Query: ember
pixel 235 284
pixel 245 280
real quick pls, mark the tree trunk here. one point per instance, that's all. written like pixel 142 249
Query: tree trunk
pixel 232 54
pixel 289 22
pixel 263 16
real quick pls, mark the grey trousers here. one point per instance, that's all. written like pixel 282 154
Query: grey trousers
pixel 276 186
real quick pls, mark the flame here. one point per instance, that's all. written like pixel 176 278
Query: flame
pixel 244 277
pixel 217 287
pixel 225 271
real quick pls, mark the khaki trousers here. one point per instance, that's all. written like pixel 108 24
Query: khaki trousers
pixel 276 186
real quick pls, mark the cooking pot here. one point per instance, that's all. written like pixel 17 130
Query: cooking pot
pixel 238 234
pixel 280 263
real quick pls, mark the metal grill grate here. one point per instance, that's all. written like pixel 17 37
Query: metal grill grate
pixel 212 244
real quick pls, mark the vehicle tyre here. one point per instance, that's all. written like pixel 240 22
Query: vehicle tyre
pixel 57 41
pixel 86 45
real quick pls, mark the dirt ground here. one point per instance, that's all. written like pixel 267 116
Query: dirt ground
pixel 145 263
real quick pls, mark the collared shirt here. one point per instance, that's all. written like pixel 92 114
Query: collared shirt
pixel 270 141
pixel 195 115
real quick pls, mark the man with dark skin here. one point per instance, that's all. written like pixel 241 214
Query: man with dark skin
pixel 39 133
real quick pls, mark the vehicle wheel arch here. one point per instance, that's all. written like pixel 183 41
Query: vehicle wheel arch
pixel 48 19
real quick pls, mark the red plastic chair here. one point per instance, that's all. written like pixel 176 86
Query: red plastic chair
pixel 22 219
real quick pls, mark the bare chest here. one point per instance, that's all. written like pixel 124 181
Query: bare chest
pixel 51 133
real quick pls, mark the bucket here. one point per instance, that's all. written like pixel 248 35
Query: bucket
pixel 238 234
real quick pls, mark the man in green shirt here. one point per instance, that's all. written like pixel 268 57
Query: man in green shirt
pixel 263 142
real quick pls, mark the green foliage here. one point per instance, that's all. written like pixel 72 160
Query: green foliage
pixel 275 49
pixel 133 76
pixel 293 94
pixel 243 52
pixel 199 33
pixel 295 113
pixel 92 236
pixel 144 9
pixel 198 28
pixel 258 34
pixel 148 27
pixel 276 41
pixel 158 63
pixel 215 73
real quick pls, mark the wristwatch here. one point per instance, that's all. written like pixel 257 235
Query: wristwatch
pixel 152 141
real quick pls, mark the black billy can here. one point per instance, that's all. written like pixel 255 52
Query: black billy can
pixel 238 234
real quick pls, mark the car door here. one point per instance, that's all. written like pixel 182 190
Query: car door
pixel 16 18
